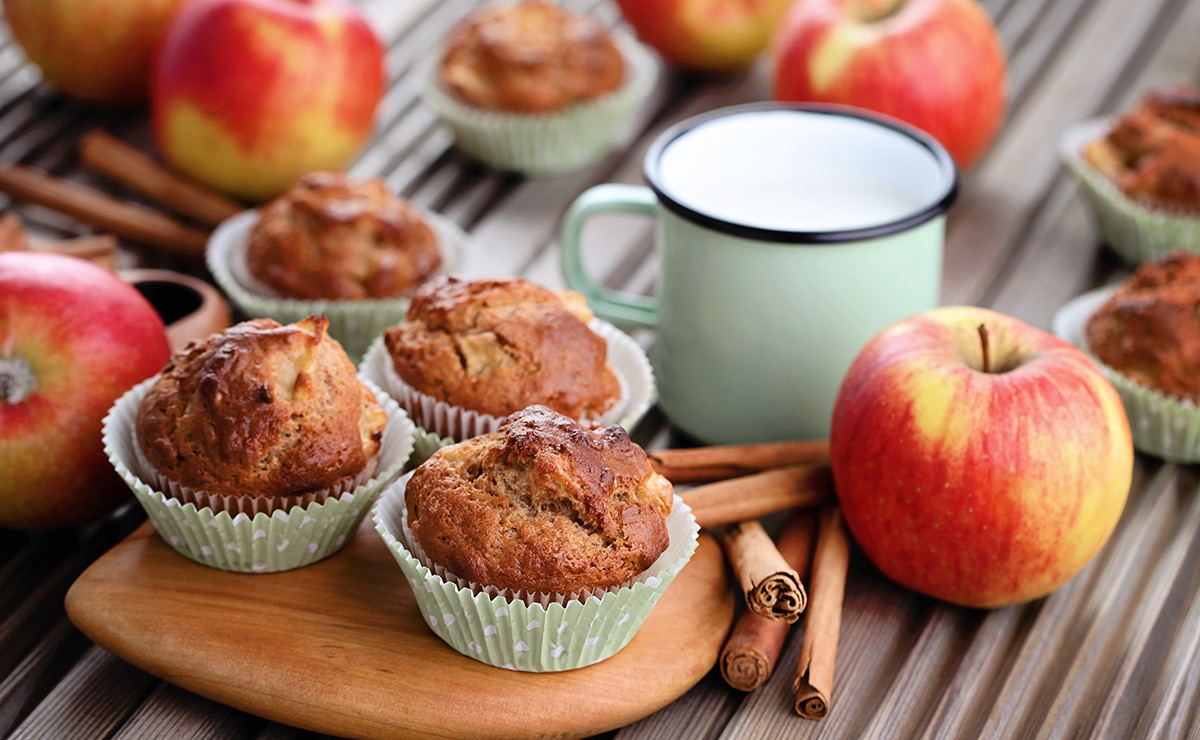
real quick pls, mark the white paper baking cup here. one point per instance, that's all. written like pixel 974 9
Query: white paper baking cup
pixel 544 144
pixel 548 633
pixel 1134 231
pixel 446 423
pixel 354 323
pixel 258 543
pixel 1162 425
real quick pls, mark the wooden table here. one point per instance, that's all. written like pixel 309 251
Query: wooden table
pixel 1115 653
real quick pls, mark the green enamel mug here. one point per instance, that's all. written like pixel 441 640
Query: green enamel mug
pixel 789 236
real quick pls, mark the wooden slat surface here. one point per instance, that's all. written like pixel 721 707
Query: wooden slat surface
pixel 1113 654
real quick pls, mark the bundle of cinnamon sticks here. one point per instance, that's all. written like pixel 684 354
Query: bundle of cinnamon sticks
pixel 125 219
pixel 741 484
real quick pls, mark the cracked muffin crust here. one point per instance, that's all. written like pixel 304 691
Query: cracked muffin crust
pixel 261 410
pixel 1149 329
pixel 543 505
pixel 330 238
pixel 1152 153
pixel 532 57
pixel 498 345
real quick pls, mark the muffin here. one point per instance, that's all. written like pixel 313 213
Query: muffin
pixel 257 450
pixel 266 412
pixel 542 506
pixel 330 238
pixel 534 89
pixel 1152 153
pixel 497 345
pixel 1149 329
pixel 532 57
pixel 540 547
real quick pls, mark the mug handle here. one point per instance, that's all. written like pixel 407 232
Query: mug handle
pixel 606 303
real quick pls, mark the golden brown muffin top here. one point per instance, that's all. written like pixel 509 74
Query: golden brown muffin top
pixel 532 57
pixel 497 345
pixel 1149 329
pixel 543 505
pixel 330 238
pixel 1152 153
pixel 261 410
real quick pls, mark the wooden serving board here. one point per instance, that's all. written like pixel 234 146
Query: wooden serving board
pixel 340 646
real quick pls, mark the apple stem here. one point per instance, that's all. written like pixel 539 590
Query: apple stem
pixel 17 380
pixel 987 356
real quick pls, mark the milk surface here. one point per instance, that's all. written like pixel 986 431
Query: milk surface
pixel 797 171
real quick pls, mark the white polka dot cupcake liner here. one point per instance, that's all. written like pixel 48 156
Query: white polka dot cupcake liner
pixel 1162 425
pixel 252 541
pixel 1136 233
pixel 441 423
pixel 355 324
pixel 543 632
pixel 545 144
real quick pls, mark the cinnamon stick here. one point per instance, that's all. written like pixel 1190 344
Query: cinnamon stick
pixel 771 586
pixel 128 220
pixel 753 647
pixel 117 160
pixel 814 673
pixel 752 496
pixel 99 248
pixel 704 464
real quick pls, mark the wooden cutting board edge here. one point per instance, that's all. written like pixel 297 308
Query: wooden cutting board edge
pixel 332 689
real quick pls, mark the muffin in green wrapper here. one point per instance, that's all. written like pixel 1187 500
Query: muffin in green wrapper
pixel 258 448
pixel 335 247
pixel 1138 173
pixel 248 542
pixel 627 358
pixel 523 556
pixel 1163 420
pixel 547 92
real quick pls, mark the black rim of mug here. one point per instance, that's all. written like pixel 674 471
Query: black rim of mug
pixel 927 212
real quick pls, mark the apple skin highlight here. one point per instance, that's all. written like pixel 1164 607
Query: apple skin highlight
pixel 249 94
pixel 936 64
pixel 86 337
pixel 981 489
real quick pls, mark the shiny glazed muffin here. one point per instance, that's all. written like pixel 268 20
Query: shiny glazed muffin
pixel 1152 153
pixel 329 238
pixel 261 410
pixel 543 505
pixel 529 58
pixel 1149 330
pixel 497 345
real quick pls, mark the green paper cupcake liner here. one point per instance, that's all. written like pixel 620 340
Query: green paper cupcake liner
pixel 1162 425
pixel 549 144
pixel 353 323
pixel 550 633
pixel 441 423
pixel 282 540
pixel 1136 233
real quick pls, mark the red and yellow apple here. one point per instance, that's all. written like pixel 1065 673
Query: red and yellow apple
pixel 248 94
pixel 936 64
pixel 982 467
pixel 708 35
pixel 73 338
pixel 98 51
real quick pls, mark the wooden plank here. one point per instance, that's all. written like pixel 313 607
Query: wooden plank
pixel 171 712
pixel 998 199
pixel 1149 656
pixel 700 713
pixel 1069 620
pixel 1060 256
pixel 90 702
pixel 45 665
